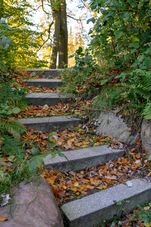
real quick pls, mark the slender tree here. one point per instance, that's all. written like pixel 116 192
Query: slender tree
pixel 60 43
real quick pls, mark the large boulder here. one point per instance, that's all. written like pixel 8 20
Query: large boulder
pixel 111 124
pixel 146 135
pixel 33 205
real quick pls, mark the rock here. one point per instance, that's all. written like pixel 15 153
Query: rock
pixel 33 205
pixel 146 135
pixel 109 124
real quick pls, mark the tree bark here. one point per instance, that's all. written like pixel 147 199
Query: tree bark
pixel 56 40
pixel 60 42
pixel 1 8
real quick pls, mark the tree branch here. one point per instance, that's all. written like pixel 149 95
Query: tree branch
pixel 48 38
pixel 43 8
pixel 77 19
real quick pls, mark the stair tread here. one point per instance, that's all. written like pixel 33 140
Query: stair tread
pixel 53 119
pixel 82 158
pixel 43 80
pixel 95 208
pixel 46 72
pixel 46 95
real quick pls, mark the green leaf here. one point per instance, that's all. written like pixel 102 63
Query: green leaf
pixel 55 153
pixel 35 151
pixel 36 162
pixel 16 110
pixel 145 216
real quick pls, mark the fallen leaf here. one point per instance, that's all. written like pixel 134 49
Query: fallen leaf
pixel 3 218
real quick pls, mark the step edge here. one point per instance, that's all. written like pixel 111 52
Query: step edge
pixel 47 119
pixel 64 210
pixel 67 158
pixel 43 80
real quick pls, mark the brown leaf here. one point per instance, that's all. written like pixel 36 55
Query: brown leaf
pixel 3 218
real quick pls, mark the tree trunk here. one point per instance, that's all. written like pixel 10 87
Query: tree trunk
pixel 63 56
pixel 60 42
pixel 1 8
pixel 56 40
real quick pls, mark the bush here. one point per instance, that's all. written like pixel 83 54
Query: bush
pixel 84 78
pixel 119 72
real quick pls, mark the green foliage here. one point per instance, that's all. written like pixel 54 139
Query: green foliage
pixel 121 46
pixel 78 79
pixel 147 111
pixel 109 97
pixel 121 38
pixel 18 49
pixel 144 215
pixel 11 147
pixel 121 31
pixel 56 4
pixel 12 101
pixel 18 39
pixel 137 85
pixel 21 173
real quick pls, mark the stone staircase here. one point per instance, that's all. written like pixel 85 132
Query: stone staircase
pixel 93 209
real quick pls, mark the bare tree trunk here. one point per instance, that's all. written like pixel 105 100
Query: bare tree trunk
pixel 60 43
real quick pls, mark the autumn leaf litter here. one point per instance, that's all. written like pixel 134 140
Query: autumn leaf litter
pixel 70 185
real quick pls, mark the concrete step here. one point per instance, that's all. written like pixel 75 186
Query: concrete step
pixel 46 73
pixel 46 124
pixel 50 99
pixel 82 158
pixel 52 83
pixel 94 209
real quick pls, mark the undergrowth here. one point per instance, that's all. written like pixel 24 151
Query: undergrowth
pixel 14 160
pixel 115 69
pixel 13 164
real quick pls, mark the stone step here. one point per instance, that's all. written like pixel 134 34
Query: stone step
pixel 82 158
pixel 46 73
pixel 50 99
pixel 51 83
pixel 46 124
pixel 94 209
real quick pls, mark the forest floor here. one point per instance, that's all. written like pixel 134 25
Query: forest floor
pixel 76 184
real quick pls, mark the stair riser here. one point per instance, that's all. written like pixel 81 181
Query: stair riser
pixel 80 164
pixel 112 202
pixel 47 127
pixel 44 84
pixel 46 101
pixel 45 73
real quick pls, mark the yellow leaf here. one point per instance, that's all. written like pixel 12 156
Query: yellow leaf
pixel 148 224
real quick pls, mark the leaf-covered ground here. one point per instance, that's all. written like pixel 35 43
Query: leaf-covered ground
pixel 139 217
pixel 32 89
pixel 70 185
pixel 67 139
pixel 76 108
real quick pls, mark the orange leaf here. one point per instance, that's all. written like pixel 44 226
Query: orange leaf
pixel 3 218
